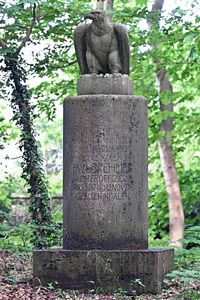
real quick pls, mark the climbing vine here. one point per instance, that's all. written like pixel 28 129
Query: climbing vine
pixel 32 160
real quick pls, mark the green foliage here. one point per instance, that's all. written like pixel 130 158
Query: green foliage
pixel 187 260
pixel 32 161
pixel 191 295
pixel 190 255
pixel 16 237
pixel 185 275
pixel 7 132
pixel 7 186
pixel 192 236
pixel 121 294
pixel 4 127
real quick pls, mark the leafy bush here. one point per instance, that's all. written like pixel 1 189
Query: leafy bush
pixel 187 260
pixel 17 237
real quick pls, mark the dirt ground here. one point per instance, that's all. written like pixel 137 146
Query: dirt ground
pixel 16 282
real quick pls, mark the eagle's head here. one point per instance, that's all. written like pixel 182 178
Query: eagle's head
pixel 96 15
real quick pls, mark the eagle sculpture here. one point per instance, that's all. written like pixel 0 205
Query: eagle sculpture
pixel 101 46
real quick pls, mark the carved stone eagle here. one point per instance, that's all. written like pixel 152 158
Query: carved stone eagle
pixel 101 46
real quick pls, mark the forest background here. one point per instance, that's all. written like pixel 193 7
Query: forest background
pixel 39 69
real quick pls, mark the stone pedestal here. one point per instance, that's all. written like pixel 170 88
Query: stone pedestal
pixel 105 195
pixel 88 85
pixel 105 172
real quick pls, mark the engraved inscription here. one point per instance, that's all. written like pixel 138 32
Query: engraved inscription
pixel 105 168
pixel 101 181
pixel 101 164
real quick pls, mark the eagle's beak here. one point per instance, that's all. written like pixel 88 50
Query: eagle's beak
pixel 89 16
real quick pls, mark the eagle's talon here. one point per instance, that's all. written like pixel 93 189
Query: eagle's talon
pixel 94 75
pixel 117 75
pixel 86 75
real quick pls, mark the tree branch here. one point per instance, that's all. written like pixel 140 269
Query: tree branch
pixel 28 32
pixel 13 25
pixel 62 66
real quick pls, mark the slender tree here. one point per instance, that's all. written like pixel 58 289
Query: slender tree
pixel 99 5
pixel 176 214
pixel 109 4
pixel 106 5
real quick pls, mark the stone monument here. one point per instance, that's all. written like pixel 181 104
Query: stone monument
pixel 105 168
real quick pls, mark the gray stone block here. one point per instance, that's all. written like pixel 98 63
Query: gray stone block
pixel 105 172
pixel 121 85
pixel 109 270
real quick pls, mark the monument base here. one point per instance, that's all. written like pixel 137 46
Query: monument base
pixel 89 85
pixel 140 270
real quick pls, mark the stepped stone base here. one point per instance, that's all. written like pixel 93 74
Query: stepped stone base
pixel 107 269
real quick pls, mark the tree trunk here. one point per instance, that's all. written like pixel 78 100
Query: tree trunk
pixel 108 5
pixel 99 5
pixel 176 214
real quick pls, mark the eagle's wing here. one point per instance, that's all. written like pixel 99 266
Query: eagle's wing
pixel 80 47
pixel 124 48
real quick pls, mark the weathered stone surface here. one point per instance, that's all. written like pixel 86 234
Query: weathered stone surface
pixel 89 85
pixel 107 269
pixel 105 172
